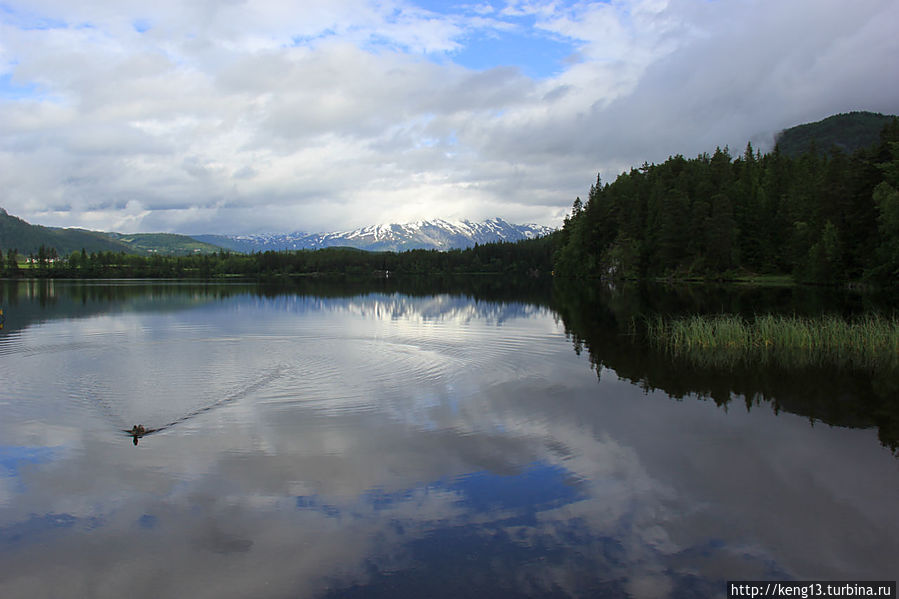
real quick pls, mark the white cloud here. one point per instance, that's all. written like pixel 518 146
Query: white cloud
pixel 271 116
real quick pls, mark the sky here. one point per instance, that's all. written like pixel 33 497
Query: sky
pixel 238 116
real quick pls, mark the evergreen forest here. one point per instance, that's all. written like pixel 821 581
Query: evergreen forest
pixel 524 258
pixel 822 217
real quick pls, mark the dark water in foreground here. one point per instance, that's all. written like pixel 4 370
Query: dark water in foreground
pixel 385 443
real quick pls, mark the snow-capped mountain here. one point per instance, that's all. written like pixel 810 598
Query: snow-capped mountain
pixel 430 234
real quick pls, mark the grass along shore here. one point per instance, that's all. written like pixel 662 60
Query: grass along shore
pixel 870 342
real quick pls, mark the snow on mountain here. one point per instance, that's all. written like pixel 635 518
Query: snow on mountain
pixel 428 234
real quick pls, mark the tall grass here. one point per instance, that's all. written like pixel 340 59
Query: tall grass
pixel 870 342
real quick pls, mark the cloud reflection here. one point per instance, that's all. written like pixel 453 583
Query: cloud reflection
pixel 409 446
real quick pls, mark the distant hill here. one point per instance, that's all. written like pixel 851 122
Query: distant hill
pixel 167 244
pixel 849 132
pixel 431 234
pixel 18 234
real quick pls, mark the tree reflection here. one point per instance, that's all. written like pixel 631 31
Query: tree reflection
pixel 601 319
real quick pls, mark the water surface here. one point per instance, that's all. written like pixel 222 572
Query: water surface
pixel 387 443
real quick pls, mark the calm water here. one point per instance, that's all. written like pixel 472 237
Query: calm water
pixel 378 443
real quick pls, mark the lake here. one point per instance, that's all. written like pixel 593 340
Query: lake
pixel 421 439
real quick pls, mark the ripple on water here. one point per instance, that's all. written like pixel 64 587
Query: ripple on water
pixel 163 374
pixel 350 374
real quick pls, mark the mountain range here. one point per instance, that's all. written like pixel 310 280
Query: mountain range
pixel 429 234
pixel 18 234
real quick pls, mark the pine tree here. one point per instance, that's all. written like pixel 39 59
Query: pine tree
pixel 12 262
pixel 886 197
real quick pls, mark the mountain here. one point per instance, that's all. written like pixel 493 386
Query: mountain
pixel 432 234
pixel 849 132
pixel 20 235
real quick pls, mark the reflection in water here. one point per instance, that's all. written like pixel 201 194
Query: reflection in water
pixel 308 444
pixel 602 323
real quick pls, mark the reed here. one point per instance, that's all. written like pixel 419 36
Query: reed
pixel 870 342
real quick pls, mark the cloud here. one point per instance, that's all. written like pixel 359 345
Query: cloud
pixel 353 112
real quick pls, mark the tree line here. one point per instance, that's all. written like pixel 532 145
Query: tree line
pixel 821 217
pixel 527 257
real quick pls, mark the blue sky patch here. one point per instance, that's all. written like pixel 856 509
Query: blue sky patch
pixel 141 25
pixel 11 90
pixel 539 487
pixel 12 457
pixel 537 56
pixel 27 21
pixel 514 41
pixel 445 8
pixel 35 527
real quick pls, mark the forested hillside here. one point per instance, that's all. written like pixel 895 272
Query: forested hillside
pixel 824 218
pixel 167 244
pixel 849 132
pixel 27 239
